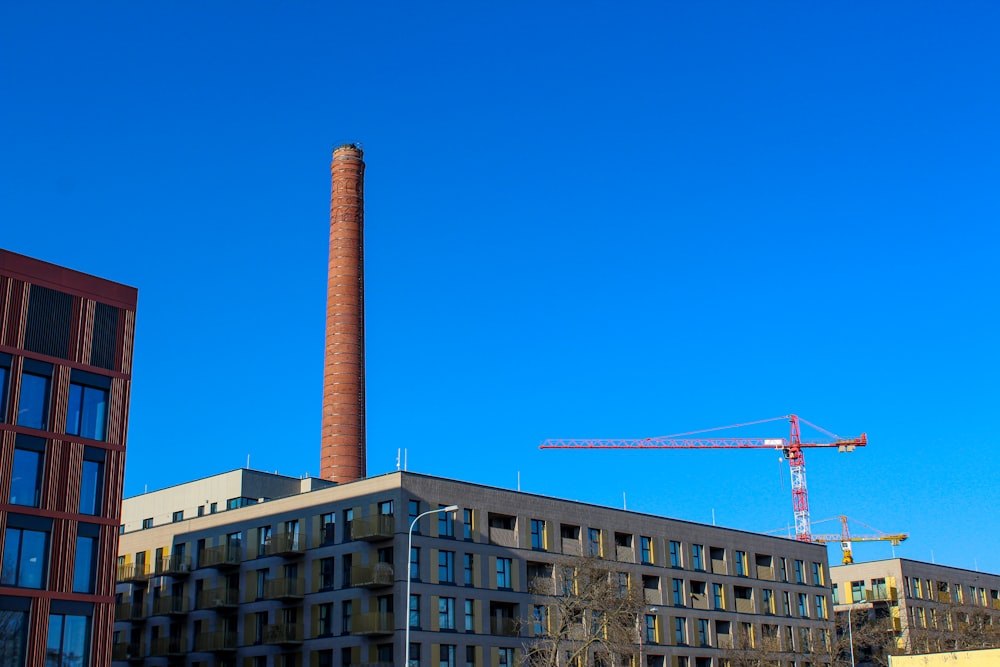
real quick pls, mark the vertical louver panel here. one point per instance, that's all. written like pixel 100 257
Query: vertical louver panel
pixel 50 316
pixel 102 350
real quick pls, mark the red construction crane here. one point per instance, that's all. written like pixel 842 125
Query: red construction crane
pixel 791 447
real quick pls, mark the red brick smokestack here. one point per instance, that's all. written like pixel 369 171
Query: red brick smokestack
pixel 342 455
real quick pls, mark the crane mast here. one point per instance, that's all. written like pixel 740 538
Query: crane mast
pixel 791 449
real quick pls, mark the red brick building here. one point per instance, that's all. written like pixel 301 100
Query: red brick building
pixel 65 374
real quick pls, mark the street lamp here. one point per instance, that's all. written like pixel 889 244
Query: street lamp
pixel 409 551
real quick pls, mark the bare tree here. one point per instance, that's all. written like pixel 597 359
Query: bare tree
pixel 953 626
pixel 590 617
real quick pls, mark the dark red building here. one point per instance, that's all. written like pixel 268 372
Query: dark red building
pixel 65 374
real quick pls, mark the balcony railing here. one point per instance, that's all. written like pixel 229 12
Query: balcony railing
pixel 132 573
pixel 541 585
pixel 624 554
pixel 170 605
pixel 130 611
pixel 502 625
pixel 373 528
pixel 221 557
pixel 219 598
pixel 168 646
pixel 372 576
pixel 372 623
pixel 571 547
pixel 173 565
pixel 288 545
pixel 744 606
pixel 283 633
pixel 503 537
pixel 284 588
pixel 219 640
pixel 885 593
pixel 127 651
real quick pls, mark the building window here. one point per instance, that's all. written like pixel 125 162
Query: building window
pixel 14 631
pixel 415 563
pixel 594 542
pixel 5 360
pixel 327 572
pixel 784 569
pixel 33 407
pixel 348 521
pixel 470 656
pixel 346 611
pixel 326 619
pixel 803 606
pixel 328 524
pixel 680 630
pixel 447 655
pixel 446 567
pixel 178 516
pixel 85 562
pixel 470 616
pixel 446 613
pixel 87 414
pixel 820 606
pixel 26 473
pixel 678 590
pixel 414 512
pixel 213 508
pixel 469 560
pixel 786 604
pixel 414 611
pixel 703 632
pixel 767 600
pixel 836 594
pixel 69 639
pixel 741 563
pixel 263 540
pixel 675 553
pixel 446 523
pixel 467 524
pixel 25 552
pixel 414 655
pixel 651 629
pixel 717 596
pixel 857 591
pixel 798 572
pixel 537 534
pixel 817 572
pixel 697 557
pixel 505 657
pixel 503 573
pixel 646 549
pixel 92 481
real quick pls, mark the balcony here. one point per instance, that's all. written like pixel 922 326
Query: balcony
pixel 744 606
pixel 503 625
pixel 885 594
pixel 170 606
pixel 173 566
pixel 216 642
pixel 503 537
pixel 127 651
pixel 133 573
pixel 168 647
pixel 571 547
pixel 283 634
pixel 326 536
pixel 624 554
pixel 373 528
pixel 378 575
pixel 284 589
pixel 130 611
pixel 287 545
pixel 372 623
pixel 219 599
pixel 221 557
pixel 541 585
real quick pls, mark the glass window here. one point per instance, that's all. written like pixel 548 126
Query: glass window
pixel 680 630
pixel 87 414
pixel 415 563
pixel 741 563
pixel 33 408
pixel 346 610
pixel 803 606
pixel 414 511
pixel 26 477
pixel 696 557
pixel 650 629
pixel 5 360
pixel 675 553
pixel 817 572
pixel 467 524
pixel 468 558
pixel 414 611
pixel 594 542
pixel 92 481
pixel 678 591
pixel 13 635
pixel 505 657
pixel 446 613
pixel 446 567
pixel 470 656
pixel 69 639
pixel 717 596
pixel 326 573
pixel 798 572
pixel 447 655
pixel 646 549
pixel 537 534
pixel 147 523
pixel 178 516
pixel 414 655
pixel 703 632
pixel 446 523
pixel 503 573
pixel 470 616
pixel 25 557
pixel 86 558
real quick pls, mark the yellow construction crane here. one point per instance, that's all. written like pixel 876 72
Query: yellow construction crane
pixel 845 538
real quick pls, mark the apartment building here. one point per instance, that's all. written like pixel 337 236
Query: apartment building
pixel 920 604
pixel 65 374
pixel 255 570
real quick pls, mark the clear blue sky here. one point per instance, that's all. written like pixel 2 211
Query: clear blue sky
pixel 583 219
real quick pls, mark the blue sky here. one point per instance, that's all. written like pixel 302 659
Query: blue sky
pixel 582 220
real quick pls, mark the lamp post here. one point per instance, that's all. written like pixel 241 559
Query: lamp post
pixel 409 552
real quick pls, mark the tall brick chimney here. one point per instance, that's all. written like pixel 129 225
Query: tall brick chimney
pixel 342 455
